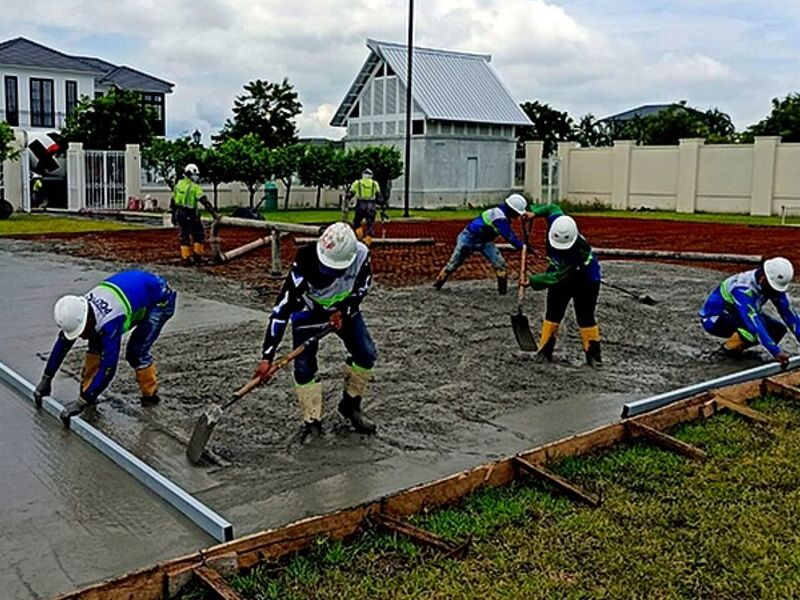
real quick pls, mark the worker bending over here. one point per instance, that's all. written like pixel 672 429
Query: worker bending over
pixel 735 310
pixel 326 284
pixel 573 273
pixel 185 196
pixel 130 300
pixel 479 236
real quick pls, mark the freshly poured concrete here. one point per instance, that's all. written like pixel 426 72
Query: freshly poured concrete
pixel 451 389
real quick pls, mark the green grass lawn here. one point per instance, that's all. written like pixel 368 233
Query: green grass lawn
pixel 728 528
pixel 24 224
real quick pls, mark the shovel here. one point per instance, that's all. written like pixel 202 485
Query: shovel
pixel 643 298
pixel 519 321
pixel 208 420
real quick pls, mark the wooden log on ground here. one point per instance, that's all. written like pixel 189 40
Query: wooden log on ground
pixel 420 536
pixel 380 241
pixel 665 441
pixel 742 409
pixel 558 482
pixel 216 583
pixel 770 386
pixel 270 225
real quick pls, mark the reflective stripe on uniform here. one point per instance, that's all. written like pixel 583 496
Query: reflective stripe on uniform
pixel 123 300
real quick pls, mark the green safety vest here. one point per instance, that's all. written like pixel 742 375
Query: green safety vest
pixel 365 189
pixel 187 193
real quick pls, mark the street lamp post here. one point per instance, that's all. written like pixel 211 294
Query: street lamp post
pixel 409 108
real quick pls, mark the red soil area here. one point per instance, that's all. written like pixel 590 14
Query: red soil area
pixel 411 265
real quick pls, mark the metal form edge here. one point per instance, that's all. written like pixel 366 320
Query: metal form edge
pixel 174 495
pixel 638 407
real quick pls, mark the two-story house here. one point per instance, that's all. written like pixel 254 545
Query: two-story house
pixel 42 86
pixel 463 128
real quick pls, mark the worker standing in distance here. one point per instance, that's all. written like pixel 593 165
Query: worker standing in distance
pixel 185 197
pixel 367 192
pixel 130 300
pixel 573 273
pixel 735 310
pixel 479 236
pixel 326 284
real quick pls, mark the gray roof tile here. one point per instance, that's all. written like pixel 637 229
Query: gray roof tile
pixel 25 53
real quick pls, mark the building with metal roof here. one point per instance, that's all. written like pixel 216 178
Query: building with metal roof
pixel 42 86
pixel 640 112
pixel 464 121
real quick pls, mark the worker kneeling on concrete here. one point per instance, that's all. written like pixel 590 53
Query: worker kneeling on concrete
pixel 573 273
pixel 479 236
pixel 735 310
pixel 130 300
pixel 326 284
pixel 185 198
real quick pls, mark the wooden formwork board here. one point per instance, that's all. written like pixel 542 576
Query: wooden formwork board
pixel 158 581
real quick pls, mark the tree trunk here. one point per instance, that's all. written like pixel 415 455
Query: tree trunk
pixel 319 193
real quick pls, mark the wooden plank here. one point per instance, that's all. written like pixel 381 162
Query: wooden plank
pixel 743 410
pixel 558 482
pixel 216 583
pixel 420 536
pixel 770 385
pixel 665 441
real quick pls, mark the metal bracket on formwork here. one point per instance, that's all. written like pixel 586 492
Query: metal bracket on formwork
pixel 420 536
pixel 557 482
pixel 638 407
pixel 201 515
pixel 663 440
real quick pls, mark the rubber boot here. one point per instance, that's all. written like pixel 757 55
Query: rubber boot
pixel 186 255
pixel 355 384
pixel 441 279
pixel 360 232
pixel 368 241
pixel 590 336
pixel 148 385
pixel 547 341
pixel 502 282
pixel 310 398
pixel 91 365
pixel 199 251
pixel 72 409
pixel 734 346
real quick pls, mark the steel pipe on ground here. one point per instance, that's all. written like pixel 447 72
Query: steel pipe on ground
pixel 270 225
pixel 747 259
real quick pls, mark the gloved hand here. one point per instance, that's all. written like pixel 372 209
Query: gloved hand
pixel 43 389
pixel 783 358
pixel 263 370
pixel 336 320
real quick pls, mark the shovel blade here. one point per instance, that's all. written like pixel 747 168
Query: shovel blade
pixel 201 434
pixel 522 331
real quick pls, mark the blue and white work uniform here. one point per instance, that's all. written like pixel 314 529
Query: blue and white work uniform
pixel 736 306
pixel 311 294
pixel 479 236
pixel 130 300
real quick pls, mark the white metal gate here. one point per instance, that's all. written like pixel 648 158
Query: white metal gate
pixel 550 179
pixel 105 179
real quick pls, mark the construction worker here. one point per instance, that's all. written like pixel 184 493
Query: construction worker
pixel 130 300
pixel 326 284
pixel 573 273
pixel 735 310
pixel 37 188
pixel 367 192
pixel 185 196
pixel 479 236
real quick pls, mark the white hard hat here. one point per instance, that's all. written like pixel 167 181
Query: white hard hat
pixel 336 247
pixel 779 273
pixel 517 203
pixel 191 169
pixel 71 314
pixel 563 233
pixel 367 173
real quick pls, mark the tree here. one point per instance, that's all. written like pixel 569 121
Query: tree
pixel 677 121
pixel 549 125
pixel 216 169
pixel 248 159
pixel 591 133
pixel 267 110
pixel 168 158
pixel 8 151
pixel 784 120
pixel 385 162
pixel 318 167
pixel 285 164
pixel 111 121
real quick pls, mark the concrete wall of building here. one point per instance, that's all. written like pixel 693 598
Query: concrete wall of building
pixel 756 179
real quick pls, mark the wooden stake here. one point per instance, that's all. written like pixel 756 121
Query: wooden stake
pixel 558 482
pixel 665 441
pixel 216 583
pixel 420 536
pixel 743 410
pixel 771 386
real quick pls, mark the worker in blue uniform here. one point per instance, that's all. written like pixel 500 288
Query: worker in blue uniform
pixel 573 273
pixel 734 310
pixel 479 236
pixel 131 300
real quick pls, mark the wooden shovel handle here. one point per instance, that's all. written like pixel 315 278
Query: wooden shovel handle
pixel 248 387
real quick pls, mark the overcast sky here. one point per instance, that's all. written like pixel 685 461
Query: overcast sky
pixel 598 56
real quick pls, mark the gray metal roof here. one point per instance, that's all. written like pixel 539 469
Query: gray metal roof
pixel 23 52
pixel 448 86
pixel 644 111
pixel 131 79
